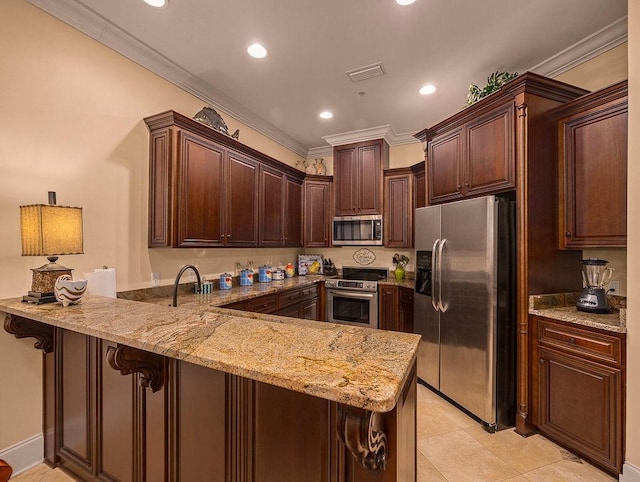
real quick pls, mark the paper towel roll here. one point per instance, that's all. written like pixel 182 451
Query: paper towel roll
pixel 102 282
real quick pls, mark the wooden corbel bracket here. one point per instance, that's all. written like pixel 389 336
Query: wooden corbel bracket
pixel 26 328
pixel 130 360
pixel 363 434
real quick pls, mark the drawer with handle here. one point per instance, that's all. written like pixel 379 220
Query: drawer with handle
pixel 584 342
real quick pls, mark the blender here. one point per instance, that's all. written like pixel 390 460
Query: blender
pixel 595 275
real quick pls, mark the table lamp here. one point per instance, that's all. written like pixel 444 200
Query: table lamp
pixel 49 230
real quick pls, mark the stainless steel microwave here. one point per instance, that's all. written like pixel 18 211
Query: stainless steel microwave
pixel 357 230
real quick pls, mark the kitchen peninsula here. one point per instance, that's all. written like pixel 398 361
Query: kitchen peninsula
pixel 219 395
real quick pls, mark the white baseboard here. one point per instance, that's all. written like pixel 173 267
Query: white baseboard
pixel 630 473
pixel 24 455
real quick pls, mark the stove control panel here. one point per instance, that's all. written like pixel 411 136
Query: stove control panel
pixel 352 284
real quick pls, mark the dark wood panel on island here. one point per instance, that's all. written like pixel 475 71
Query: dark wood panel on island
pixel 120 413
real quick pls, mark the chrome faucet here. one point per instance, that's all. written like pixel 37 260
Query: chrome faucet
pixel 175 285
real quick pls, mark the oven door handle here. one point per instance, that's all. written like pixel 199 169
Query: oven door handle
pixel 353 294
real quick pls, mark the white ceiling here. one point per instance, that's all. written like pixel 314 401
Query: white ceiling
pixel 200 45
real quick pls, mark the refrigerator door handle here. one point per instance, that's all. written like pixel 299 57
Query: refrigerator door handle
pixel 434 274
pixel 441 306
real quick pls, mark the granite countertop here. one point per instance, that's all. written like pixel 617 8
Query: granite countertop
pixel 360 367
pixel 562 306
pixel 163 295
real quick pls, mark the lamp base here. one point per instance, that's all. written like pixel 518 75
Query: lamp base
pixel 39 298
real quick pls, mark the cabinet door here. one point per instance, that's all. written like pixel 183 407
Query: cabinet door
pixel 310 309
pixel 420 190
pixel 580 406
pixel 445 166
pixel 369 179
pixel 317 214
pixel 594 165
pixel 405 309
pixel 200 191
pixel 241 202
pixel 292 212
pixel 345 172
pixel 271 207
pixel 388 308
pixel 490 153
pixel 75 402
pixel 291 438
pixel 398 211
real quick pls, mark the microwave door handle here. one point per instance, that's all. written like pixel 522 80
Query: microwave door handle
pixel 441 305
pixel 434 274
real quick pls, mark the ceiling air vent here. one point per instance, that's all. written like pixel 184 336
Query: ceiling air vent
pixel 368 72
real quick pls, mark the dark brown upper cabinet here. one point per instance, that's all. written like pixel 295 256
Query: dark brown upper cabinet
pixel 204 189
pixel 317 211
pixel 357 175
pixel 475 158
pixel 280 209
pixel 592 153
pixel 398 208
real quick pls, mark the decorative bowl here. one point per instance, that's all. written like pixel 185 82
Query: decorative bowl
pixel 68 291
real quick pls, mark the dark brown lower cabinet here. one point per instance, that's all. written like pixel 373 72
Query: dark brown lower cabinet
pixel 579 381
pixel 395 310
pixel 301 302
pixel 199 424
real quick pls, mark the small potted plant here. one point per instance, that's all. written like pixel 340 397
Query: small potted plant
pixel 400 261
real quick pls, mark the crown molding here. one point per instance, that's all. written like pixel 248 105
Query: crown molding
pixel 381 132
pixel 595 44
pixel 99 28
pixel 323 151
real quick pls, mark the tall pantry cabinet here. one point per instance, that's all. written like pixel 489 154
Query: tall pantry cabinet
pixel 504 143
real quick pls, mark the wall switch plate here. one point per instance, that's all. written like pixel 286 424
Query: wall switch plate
pixel 155 279
pixel 614 286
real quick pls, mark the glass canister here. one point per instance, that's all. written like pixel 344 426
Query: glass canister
pixel 264 274
pixel 226 281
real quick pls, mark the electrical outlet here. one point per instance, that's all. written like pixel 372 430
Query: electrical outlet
pixel 614 286
pixel 155 279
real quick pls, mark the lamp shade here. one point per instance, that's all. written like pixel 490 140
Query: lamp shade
pixel 49 230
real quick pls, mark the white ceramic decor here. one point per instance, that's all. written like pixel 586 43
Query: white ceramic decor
pixel 67 291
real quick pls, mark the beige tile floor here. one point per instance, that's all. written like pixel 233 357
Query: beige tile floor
pixel 453 447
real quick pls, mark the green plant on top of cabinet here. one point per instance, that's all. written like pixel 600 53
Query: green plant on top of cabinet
pixel 357 176
pixel 592 151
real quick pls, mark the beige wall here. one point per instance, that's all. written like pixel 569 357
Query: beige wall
pixel 71 122
pixel 633 256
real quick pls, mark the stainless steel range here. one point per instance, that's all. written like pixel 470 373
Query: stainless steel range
pixel 353 299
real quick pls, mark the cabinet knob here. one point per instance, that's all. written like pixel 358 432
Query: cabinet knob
pixel 572 340
pixel 459 187
pixel 466 184
pixel 541 361
pixel 568 234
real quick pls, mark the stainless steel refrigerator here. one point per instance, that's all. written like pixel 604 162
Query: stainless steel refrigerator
pixel 464 305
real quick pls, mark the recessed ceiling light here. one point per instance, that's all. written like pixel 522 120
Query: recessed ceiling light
pixel 428 89
pixel 405 2
pixel 326 114
pixel 257 51
pixel 156 3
